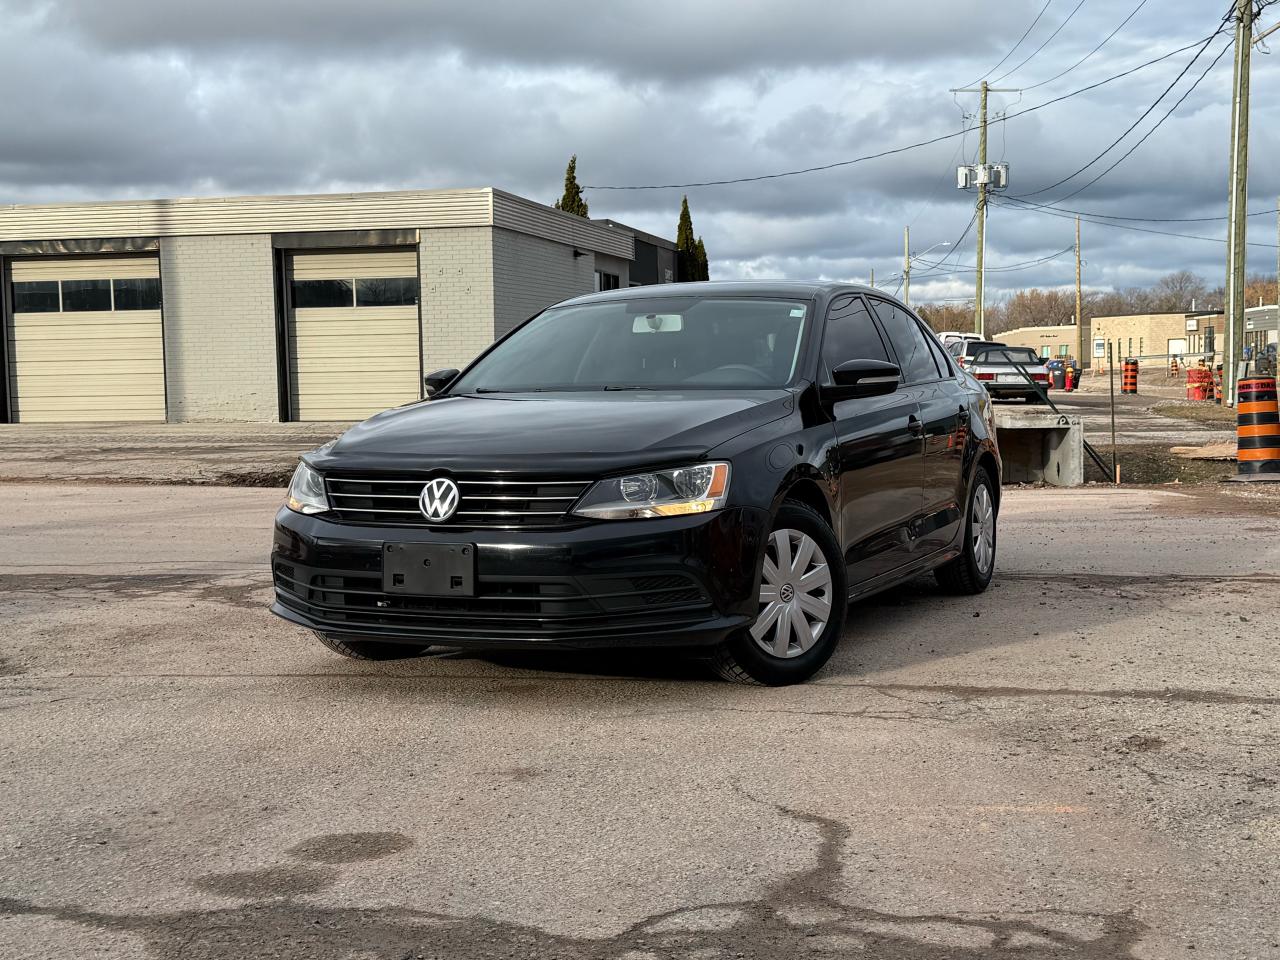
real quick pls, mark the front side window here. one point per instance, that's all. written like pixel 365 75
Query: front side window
pixel 86 295
pixel 36 296
pixel 851 334
pixel 908 343
pixel 664 343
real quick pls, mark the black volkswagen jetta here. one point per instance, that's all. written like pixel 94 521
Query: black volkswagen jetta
pixel 711 465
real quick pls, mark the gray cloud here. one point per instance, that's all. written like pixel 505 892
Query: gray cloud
pixel 165 98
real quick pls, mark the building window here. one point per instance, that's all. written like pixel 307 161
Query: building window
pixel 387 292
pixel 86 295
pixel 36 296
pixel 322 293
pixel 139 293
pixel 360 292
pixel 607 281
pixel 51 296
pixel 1044 350
pixel 1064 349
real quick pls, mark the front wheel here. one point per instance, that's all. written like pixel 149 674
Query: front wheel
pixel 971 571
pixel 802 605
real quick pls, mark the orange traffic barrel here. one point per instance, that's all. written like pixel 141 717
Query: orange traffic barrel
pixel 1257 430
pixel 1173 368
pixel 1198 383
pixel 1129 377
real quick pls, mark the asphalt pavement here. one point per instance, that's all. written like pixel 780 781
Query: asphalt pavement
pixel 1082 762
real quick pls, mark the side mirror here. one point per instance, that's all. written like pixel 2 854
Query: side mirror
pixel 863 378
pixel 437 380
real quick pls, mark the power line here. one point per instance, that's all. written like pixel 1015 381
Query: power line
pixel 896 150
pixel 1105 40
pixel 1145 113
pixel 1143 138
pixel 1052 212
pixel 1109 216
pixel 1015 46
pixel 1008 268
pixel 1047 41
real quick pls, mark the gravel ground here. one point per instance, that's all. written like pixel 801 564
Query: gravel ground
pixel 1081 763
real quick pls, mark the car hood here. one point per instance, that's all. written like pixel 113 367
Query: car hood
pixel 553 432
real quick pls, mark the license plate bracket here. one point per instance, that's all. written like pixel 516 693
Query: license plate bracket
pixel 429 569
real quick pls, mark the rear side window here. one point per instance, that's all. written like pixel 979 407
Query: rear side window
pixel 851 334
pixel 914 356
pixel 939 355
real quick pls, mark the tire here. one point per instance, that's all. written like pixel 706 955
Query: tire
pixel 971 572
pixel 743 658
pixel 370 649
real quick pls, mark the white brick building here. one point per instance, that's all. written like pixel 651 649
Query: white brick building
pixel 280 308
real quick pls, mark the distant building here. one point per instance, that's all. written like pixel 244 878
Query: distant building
pixel 1261 326
pixel 1055 341
pixel 281 308
pixel 1157 336
pixel 1150 335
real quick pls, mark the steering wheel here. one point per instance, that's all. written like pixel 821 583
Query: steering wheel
pixel 761 376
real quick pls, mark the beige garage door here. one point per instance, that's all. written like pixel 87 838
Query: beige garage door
pixel 353 333
pixel 87 341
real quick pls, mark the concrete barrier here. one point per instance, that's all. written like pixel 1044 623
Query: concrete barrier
pixel 1040 447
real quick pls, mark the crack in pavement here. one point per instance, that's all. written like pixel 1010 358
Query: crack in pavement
pixel 795 915
pixel 955 691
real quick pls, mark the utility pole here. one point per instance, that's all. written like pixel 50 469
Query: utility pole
pixel 906 265
pixel 1079 304
pixel 979 301
pixel 873 276
pixel 987 177
pixel 1238 196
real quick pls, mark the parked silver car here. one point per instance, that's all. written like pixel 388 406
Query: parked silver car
pixel 995 365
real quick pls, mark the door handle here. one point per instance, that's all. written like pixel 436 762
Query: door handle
pixel 915 426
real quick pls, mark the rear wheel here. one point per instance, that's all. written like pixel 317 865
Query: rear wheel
pixel 370 649
pixel 802 597
pixel 971 571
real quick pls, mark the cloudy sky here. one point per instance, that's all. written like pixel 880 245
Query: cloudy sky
pixel 157 98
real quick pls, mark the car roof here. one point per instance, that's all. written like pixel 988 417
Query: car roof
pixel 808 289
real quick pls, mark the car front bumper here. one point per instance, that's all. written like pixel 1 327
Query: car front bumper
pixel 679 581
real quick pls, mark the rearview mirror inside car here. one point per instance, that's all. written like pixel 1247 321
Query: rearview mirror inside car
pixel 437 380
pixel 864 378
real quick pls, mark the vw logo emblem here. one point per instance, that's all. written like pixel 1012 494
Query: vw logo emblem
pixel 439 499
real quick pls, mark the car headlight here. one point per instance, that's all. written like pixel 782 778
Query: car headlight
pixel 306 491
pixel 665 493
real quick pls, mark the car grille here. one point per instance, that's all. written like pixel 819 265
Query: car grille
pixel 484 501
pixel 510 608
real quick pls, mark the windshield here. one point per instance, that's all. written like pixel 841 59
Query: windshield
pixel 649 344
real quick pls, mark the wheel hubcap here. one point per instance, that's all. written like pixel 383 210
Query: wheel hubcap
pixel 795 595
pixel 982 530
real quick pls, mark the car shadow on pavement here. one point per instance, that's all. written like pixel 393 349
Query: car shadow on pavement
pixel 798 914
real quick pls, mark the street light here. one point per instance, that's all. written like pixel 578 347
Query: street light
pixel 906 263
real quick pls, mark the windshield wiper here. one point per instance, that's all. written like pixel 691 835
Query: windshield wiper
pixel 629 387
pixel 519 390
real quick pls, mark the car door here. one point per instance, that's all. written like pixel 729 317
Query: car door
pixel 878 458
pixel 944 412
pixel 936 420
